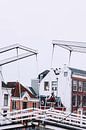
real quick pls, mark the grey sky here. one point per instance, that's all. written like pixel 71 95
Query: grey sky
pixel 35 23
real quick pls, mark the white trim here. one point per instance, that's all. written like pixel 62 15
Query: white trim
pixel 34 100
pixel 31 99
pixel 25 95
pixel 78 76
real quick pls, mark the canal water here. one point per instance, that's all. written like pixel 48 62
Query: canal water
pixel 37 128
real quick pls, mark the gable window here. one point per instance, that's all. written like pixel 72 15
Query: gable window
pixel 46 86
pixel 74 85
pixel 65 74
pixel 5 99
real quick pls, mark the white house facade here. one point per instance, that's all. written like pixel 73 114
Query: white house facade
pixel 5 94
pixel 64 87
pixel 48 84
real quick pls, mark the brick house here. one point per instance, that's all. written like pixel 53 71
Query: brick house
pixel 21 97
pixel 72 89
pixel 79 92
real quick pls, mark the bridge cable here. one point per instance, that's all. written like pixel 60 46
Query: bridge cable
pixel 52 55
pixel 18 83
pixel 37 71
pixel 69 58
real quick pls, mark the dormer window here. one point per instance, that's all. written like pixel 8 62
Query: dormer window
pixel 46 86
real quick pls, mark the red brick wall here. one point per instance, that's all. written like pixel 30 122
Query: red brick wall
pixel 18 105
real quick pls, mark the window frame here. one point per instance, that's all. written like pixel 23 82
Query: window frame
pixel 46 86
pixel 84 101
pixel 84 87
pixel 54 85
pixel 14 105
pixel 65 74
pixel 74 105
pixel 80 86
pixel 79 100
pixel 5 99
pixel 74 85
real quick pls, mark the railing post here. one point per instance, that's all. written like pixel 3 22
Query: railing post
pixel 70 118
pixel 81 117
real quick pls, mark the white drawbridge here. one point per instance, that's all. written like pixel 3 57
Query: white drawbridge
pixel 46 117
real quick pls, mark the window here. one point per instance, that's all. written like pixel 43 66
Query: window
pixel 58 102
pixel 74 100
pixel 54 85
pixel 46 86
pixel 74 85
pixel 5 99
pixel 79 101
pixel 24 105
pixel 84 86
pixel 54 88
pixel 65 74
pixel 13 104
pixel 34 104
pixel 80 86
pixel 84 100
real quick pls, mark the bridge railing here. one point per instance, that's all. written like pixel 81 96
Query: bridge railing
pixel 65 117
pixel 44 115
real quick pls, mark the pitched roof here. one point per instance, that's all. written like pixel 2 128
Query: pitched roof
pixel 32 91
pixel 43 74
pixel 18 88
pixel 4 84
pixel 78 71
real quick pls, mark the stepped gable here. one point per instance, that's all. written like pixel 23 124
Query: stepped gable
pixel 16 90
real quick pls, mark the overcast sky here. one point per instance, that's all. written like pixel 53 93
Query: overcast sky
pixel 35 23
